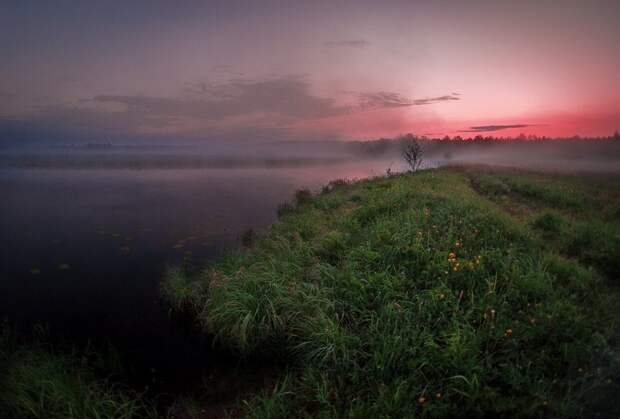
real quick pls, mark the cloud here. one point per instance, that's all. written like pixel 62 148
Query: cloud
pixel 235 109
pixel 382 100
pixel 347 43
pixel 276 107
pixel 288 97
pixel 393 100
pixel 436 99
pixel 490 128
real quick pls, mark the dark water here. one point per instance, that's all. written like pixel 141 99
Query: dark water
pixel 84 250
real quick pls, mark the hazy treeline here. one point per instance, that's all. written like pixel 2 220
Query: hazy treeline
pixel 598 154
pixel 563 154
pixel 446 144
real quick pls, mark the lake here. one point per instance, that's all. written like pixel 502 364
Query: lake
pixel 84 250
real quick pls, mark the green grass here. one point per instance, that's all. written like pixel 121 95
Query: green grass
pixel 550 223
pixel 579 218
pixel 183 295
pixel 445 293
pixel 38 382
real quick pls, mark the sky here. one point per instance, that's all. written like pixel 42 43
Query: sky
pixel 314 70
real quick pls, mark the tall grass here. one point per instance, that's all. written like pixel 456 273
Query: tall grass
pixel 37 382
pixel 413 296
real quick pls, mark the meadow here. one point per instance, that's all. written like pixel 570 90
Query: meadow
pixel 453 292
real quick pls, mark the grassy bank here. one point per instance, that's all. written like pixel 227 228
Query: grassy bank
pixel 38 381
pixel 445 293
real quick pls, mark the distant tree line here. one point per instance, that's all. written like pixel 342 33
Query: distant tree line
pixel 394 146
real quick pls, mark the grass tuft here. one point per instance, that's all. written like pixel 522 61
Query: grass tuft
pixel 181 291
pixel 550 223
pixel 36 382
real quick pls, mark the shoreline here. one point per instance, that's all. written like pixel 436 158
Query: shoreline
pixel 330 245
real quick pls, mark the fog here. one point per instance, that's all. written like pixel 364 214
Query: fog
pixel 572 155
pixel 568 156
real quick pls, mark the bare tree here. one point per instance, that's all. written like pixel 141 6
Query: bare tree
pixel 411 151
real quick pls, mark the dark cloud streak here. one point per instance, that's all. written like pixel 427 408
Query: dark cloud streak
pixel 393 100
pixel 491 128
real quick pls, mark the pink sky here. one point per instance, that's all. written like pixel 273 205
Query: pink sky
pixel 313 70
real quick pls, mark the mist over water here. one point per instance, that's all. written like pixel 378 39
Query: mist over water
pixel 83 251
pixel 585 155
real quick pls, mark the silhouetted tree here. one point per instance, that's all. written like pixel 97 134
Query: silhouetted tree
pixel 411 151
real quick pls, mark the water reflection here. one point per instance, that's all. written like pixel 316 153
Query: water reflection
pixel 84 250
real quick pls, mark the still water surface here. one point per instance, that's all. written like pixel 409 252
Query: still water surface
pixel 84 250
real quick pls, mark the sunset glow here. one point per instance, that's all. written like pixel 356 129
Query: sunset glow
pixel 351 70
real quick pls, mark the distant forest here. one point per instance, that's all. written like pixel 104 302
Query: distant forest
pixel 447 145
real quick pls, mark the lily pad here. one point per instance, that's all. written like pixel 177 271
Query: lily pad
pixel 64 266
